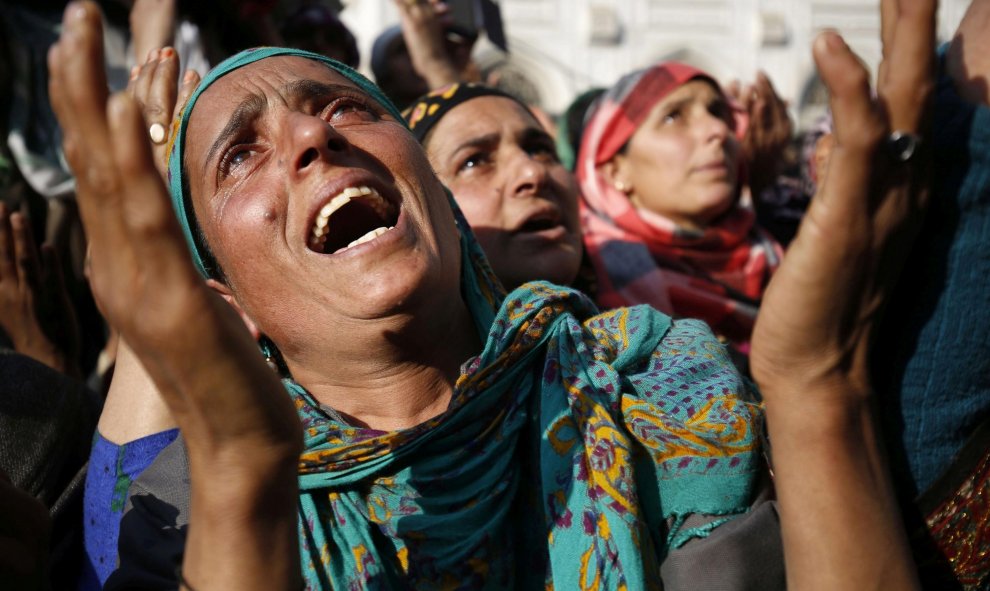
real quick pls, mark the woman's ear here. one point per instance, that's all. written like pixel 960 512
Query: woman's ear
pixel 614 173
pixel 228 296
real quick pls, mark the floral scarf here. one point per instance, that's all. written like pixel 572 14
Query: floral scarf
pixel 717 275
pixel 574 447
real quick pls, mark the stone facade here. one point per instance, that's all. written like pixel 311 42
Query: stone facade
pixel 562 47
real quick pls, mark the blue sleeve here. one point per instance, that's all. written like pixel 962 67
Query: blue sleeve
pixel 111 470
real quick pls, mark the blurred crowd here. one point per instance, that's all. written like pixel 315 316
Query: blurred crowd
pixel 669 189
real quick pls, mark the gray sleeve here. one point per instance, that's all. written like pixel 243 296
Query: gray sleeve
pixel 743 554
pixel 154 525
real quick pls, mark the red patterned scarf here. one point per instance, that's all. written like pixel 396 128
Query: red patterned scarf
pixel 717 275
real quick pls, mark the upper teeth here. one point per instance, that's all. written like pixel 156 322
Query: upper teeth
pixel 320 226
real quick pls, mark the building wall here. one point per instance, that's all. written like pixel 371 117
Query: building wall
pixel 567 46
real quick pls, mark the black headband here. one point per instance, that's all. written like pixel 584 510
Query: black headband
pixel 428 109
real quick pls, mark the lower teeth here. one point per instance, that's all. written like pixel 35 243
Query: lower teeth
pixel 369 236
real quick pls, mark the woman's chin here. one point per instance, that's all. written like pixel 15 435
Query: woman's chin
pixel 714 206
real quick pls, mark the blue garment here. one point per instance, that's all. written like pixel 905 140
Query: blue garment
pixel 111 470
pixel 932 361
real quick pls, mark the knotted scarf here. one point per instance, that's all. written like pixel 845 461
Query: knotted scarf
pixel 717 274
pixel 574 446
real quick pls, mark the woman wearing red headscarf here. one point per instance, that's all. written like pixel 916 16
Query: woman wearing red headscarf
pixel 665 222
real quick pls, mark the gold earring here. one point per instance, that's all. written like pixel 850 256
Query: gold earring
pixel 621 187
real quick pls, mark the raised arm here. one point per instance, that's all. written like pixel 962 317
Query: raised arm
pixel 422 30
pixel 840 521
pixel 241 430
pixel 134 408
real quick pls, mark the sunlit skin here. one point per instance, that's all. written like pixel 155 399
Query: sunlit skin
pixel 502 167
pixel 683 160
pixel 267 145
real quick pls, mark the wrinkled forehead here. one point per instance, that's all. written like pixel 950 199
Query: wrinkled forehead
pixel 479 116
pixel 267 81
pixel 499 107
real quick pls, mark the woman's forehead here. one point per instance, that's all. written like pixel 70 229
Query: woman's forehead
pixel 262 78
pixel 480 114
pixel 694 88
pixel 498 106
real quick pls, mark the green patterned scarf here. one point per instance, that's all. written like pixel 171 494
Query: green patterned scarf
pixel 574 447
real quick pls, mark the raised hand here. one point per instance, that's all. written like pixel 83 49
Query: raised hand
pixel 423 30
pixel 154 85
pixel 152 25
pixel 35 310
pixel 811 342
pixel 196 349
pixel 768 132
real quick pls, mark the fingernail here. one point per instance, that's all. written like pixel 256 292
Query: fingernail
pixel 835 42
pixel 167 53
pixel 135 71
pixel 152 55
pixel 188 76
pixel 76 11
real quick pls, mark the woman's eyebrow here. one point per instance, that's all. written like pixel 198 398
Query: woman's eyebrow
pixel 677 104
pixel 476 142
pixel 306 89
pixel 535 134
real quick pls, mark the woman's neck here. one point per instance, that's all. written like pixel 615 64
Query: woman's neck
pixel 397 379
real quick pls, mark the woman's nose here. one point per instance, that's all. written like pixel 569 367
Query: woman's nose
pixel 714 127
pixel 313 140
pixel 529 175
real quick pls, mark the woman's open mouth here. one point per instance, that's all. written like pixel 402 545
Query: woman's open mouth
pixel 543 225
pixel 354 216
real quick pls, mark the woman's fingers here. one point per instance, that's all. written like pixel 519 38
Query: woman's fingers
pixel 82 79
pixel 190 80
pixel 150 221
pixel 152 24
pixel 142 74
pixel 155 89
pixel 77 83
pixel 858 127
pixel 906 83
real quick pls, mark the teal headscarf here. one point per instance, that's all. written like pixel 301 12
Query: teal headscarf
pixel 575 446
